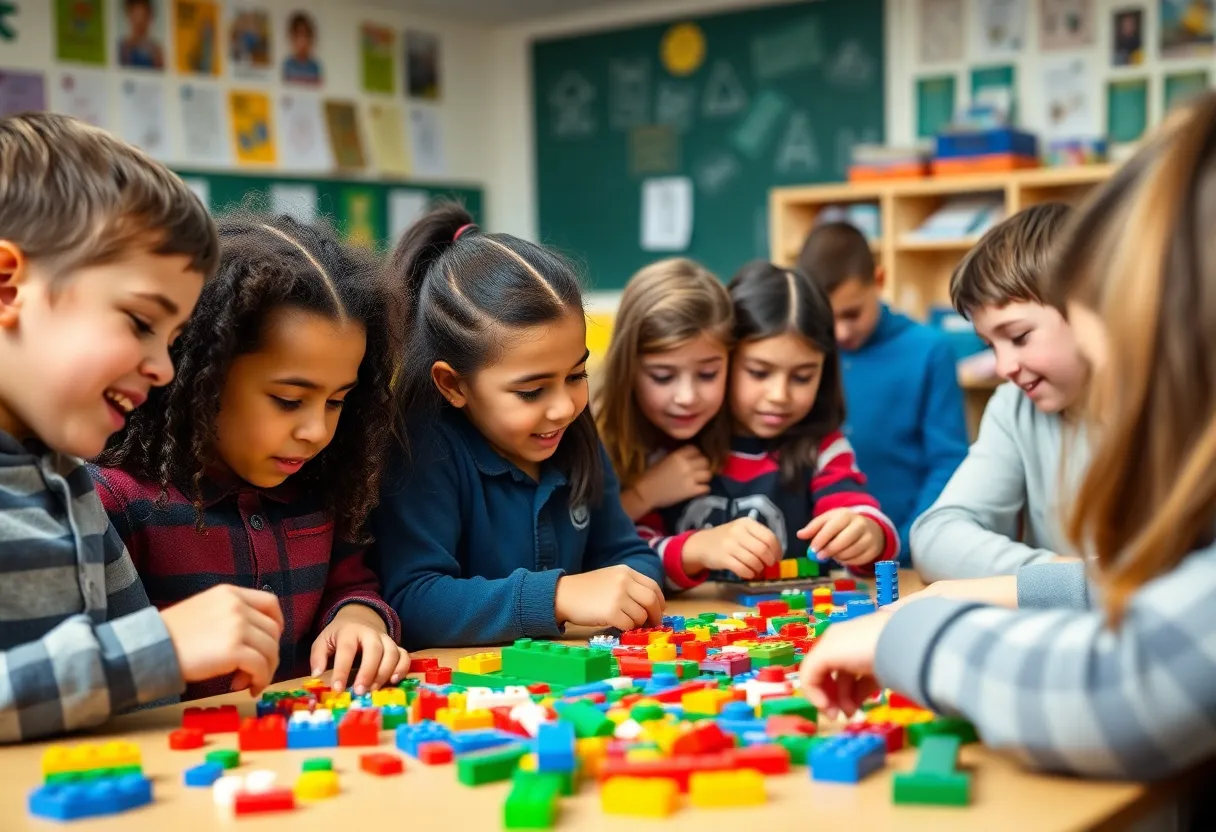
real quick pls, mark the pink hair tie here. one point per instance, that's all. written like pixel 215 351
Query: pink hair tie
pixel 461 230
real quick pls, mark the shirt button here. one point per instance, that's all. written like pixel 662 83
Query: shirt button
pixel 257 522
pixel 267 588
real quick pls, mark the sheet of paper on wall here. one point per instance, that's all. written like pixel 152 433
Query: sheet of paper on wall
pixel 405 206
pixel 303 143
pixel 426 140
pixel 1066 24
pixel 21 92
pixel 201 188
pixel 83 94
pixel 386 134
pixel 941 31
pixel 998 28
pixel 667 213
pixel 141 113
pixel 204 133
pixel 296 200
pixel 1071 112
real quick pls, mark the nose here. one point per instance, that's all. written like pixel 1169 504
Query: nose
pixel 778 390
pixel 312 427
pixel 684 394
pixel 842 332
pixel 1007 364
pixel 562 409
pixel 157 367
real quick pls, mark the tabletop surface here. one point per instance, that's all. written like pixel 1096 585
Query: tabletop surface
pixel 1004 796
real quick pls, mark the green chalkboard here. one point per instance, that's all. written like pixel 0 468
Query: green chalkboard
pixel 358 208
pixel 738 103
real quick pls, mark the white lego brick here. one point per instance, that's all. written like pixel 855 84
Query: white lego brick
pixel 260 781
pixel 628 730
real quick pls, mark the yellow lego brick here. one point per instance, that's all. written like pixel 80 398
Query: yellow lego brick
pixel 908 716
pixel 880 713
pixel 388 696
pixel 333 701
pixel 662 734
pixel 746 642
pixel 59 759
pixel 718 789
pixel 548 701
pixel 617 716
pixel 464 720
pixel 661 651
pixel 789 568
pixel 317 785
pixel 705 701
pixel 650 797
pixel 644 755
pixel 826 609
pixel 730 624
pixel 701 633
pixel 527 762
pixel 821 595
pixel 480 663
pixel 658 637
pixel 312 684
pixel 591 753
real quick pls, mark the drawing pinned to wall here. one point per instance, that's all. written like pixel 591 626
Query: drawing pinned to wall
pixel 405 207
pixel 300 66
pixel 80 31
pixel 360 216
pixel 83 94
pixel 252 129
pixel 303 144
pixel 141 34
pixel 675 103
pixel 1181 87
pixel 422 65
pixel 295 199
pixel 570 102
pixel 1069 112
pixel 629 93
pixel 141 115
pixel 935 99
pixel 1186 28
pixel 386 135
pixel 792 49
pixel 202 114
pixel 724 94
pixel 941 31
pixel 653 149
pixel 345 138
pixel 196 29
pixel 667 205
pixel 851 66
pixel 377 46
pixel 753 137
pixel 797 154
pixel 426 141
pixel 998 28
pixel 1066 24
pixel 1126 110
pixel 716 172
pixel 1127 36
pixel 683 49
pixel 249 42
pixel 21 92
pixel 996 86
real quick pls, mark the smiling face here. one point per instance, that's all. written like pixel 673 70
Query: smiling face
pixel 679 390
pixel 280 404
pixel 1037 350
pixel 80 353
pixel 774 382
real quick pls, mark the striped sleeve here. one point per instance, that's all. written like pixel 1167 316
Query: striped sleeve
pixel 670 549
pixel 839 483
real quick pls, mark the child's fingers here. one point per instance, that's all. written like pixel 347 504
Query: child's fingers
pixel 835 523
pixel 746 565
pixel 372 650
pixel 812 528
pixel 388 662
pixel 256 666
pixel 344 657
pixel 240 681
pixel 266 603
pixel 860 553
pixel 648 599
pixel 845 538
pixel 318 657
pixel 403 665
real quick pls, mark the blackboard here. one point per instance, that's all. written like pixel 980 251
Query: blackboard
pixel 778 97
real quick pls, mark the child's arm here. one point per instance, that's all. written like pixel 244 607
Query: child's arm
pixel 351 581
pixel 943 432
pixel 613 536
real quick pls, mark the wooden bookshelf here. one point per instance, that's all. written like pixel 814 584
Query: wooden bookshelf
pixel 918 271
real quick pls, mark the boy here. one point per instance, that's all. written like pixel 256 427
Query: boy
pixel 904 408
pixel 1000 510
pixel 103 253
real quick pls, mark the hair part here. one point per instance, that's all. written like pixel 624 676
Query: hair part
pixel 665 305
pixel 835 253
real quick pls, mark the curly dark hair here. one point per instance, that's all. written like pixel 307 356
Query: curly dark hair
pixel 269 262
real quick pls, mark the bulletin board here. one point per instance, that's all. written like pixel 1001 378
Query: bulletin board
pixel 734 103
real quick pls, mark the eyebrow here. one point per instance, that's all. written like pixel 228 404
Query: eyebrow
pixel 545 376
pixel 660 364
pixel 157 298
pixel 308 384
pixel 809 365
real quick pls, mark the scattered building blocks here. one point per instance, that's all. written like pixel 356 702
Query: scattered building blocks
pixel 360 727
pixel 660 651
pixel 315 729
pixel 544 661
pixel 555 747
pixel 68 759
pixel 588 720
pixel 466 742
pixel 893 735
pixel 185 739
pixel 225 757
pixel 489 766
pixel 267 733
pixel 770 609
pixel 435 753
pixel 480 663
pixel 388 696
pixel 478 698
pixel 848 758
pixel 317 785
pixel 222 720
pixel 381 764
pixel 92 798
pixel 423 663
pixel 439 676
pixel 410 737
pixel 273 800
pixel 464 720
pixel 788 706
pixel 653 797
pixel 203 775
pixel 935 780
pixel 720 789
pixel 532 802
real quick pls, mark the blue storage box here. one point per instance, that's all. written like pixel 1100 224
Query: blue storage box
pixel 986 143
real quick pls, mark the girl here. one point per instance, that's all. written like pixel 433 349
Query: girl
pixel 788 458
pixel 1125 690
pixel 505 520
pixel 259 464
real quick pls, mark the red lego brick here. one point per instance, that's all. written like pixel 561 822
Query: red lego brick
pixel 755 623
pixel 185 739
pixel 641 636
pixel 429 703
pixel 844 584
pixel 893 734
pixel 221 720
pixel 539 687
pixel 381 764
pixel 898 700
pixel 766 759
pixel 789 724
pixel 423 664
pixel 746 634
pixel 706 738
pixel 772 673
pixel 629 652
pixel 676 694
pixel 770 609
pixel 635 668
pixel 360 727
pixel 772 573
pixel 790 631
pixel 435 753
pixel 503 721
pixel 267 733
pixel 694 651
pixel 275 800
pixel 682 638
pixel 439 676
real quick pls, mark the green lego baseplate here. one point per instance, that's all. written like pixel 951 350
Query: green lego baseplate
pixel 563 664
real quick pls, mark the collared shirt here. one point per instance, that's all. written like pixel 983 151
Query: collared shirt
pixel 270 539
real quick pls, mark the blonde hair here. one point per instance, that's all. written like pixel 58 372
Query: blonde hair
pixel 664 305
pixel 1141 256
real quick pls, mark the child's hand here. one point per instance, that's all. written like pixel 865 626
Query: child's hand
pixel 681 475
pixel 838 672
pixel 743 546
pixel 615 596
pixel 227 629
pixel 845 536
pixel 357 628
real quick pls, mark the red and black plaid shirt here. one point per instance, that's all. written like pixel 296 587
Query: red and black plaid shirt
pixel 277 540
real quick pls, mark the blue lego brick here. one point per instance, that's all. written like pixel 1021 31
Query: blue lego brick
pixel 753 600
pixel 738 710
pixel 604 642
pixel 842 597
pixel 463 742
pixel 105 796
pixel 856 609
pixel 312 735
pixel 675 622
pixel 267 707
pixel 203 775
pixel 660 682
pixel 409 737
pixel 848 758
pixel 555 746
pixel 584 690
pixel 886 577
pixel 837 617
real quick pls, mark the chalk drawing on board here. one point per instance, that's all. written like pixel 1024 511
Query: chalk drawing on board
pixel 753 136
pixel 851 66
pixel 717 171
pixel 793 49
pixel 675 104
pixel 724 93
pixel 629 92
pixel 846 140
pixel 570 106
pixel 797 152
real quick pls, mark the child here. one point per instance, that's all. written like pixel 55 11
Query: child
pixel 788 459
pixel 139 48
pixel 504 520
pixel 660 413
pixel 1123 690
pixel 906 418
pixel 103 253
pixel 259 465
pixel 1001 508
pixel 301 65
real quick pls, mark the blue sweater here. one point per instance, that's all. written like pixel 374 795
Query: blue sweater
pixel 905 416
pixel 470 548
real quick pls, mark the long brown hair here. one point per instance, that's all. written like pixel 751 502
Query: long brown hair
pixel 663 306
pixel 1142 257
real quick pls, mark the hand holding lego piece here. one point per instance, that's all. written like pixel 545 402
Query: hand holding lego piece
pixel 744 546
pixel 615 596
pixel 845 536
pixel 681 475
pixel 838 675
pixel 358 629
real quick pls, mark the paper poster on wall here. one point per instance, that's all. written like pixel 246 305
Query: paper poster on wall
pixel 141 27
pixel 80 31
pixel 303 142
pixel 360 216
pixel 941 31
pixel 1069 109
pixel 300 65
pixel 653 149
pixel 1126 110
pixel 141 115
pixel 196 30
pixel 998 28
pixel 252 128
pixel 386 135
pixel 996 86
pixel 83 94
pixel 934 105
pixel 1186 28
pixel 405 207
pixel 377 45
pixel 667 213
pixel 1180 87
pixel 426 141
pixel 21 92
pixel 345 140
pixel 422 76
pixel 249 41
pixel 1127 36
pixel 201 188
pixel 202 113
pixel 1066 24
pixel 296 199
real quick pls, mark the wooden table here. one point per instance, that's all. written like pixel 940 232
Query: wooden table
pixel 1004 796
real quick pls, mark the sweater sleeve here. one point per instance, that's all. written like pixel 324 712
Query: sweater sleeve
pixel 350 581
pixel 418 531
pixel 971 531
pixel 1061 688
pixel 614 539
pixel 838 483
pixel 1053 586
pixel 943 431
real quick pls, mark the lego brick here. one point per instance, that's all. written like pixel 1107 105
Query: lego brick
pixel 482 698
pixel 798 746
pixel 422 664
pixel 272 800
pixel 641 797
pixel 203 775
pixel 318 764
pixel 435 753
pixel 562 664
pixel 489 766
pixel 360 727
pixel 480 663
pixel 893 735
pixel 706 738
pixel 769 609
pixel 935 781
pixel 312 730
pixel 721 789
pixel 387 696
pixel 409 738
pixel 90 775
pixel 466 742
pixel 661 651
pixel 106 796
pixel 88 756
pixel 588 720
pixel 789 706
pixel 317 785
pixel 681 668
pixel 439 676
pixel 848 758
pixel 267 733
pixel 787 569
pixel 555 746
pixel 185 739
pixel 225 757
pixel 532 802
pixel 381 764
pixel 390 717
pixel 221 720
pixel 465 721
pixel 942 726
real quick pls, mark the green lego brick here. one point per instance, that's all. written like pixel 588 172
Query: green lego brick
pixel 588 720
pixel 703 618
pixel 563 664
pixel 495 681
pixel 390 720
pixel 942 726
pixel 788 706
pixel 821 627
pixel 489 766
pixel 226 757
pixel 318 764
pixel 646 712
pixel 796 601
pixel 65 777
pixel 683 668
pixel 780 653
pixel 565 781
pixel 807 568
pixel 532 802
pixel 799 746
pixel 935 780
pixel 338 714
pixel 781 620
pixel 408 684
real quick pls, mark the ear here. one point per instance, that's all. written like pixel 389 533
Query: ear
pixel 12 275
pixel 449 383
pixel 880 277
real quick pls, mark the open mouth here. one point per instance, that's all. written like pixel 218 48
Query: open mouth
pixel 119 401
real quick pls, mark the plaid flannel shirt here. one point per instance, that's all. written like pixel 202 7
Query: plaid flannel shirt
pixel 276 540
pixel 79 641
